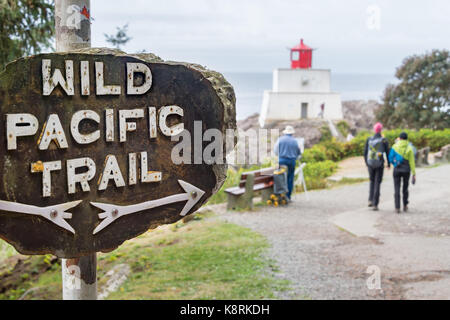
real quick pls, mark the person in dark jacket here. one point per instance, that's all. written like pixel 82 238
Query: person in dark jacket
pixel 374 150
pixel 288 151
pixel 402 158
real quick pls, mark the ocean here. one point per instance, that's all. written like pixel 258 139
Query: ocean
pixel 249 88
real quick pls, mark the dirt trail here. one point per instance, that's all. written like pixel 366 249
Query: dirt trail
pixel 325 244
pixel 353 167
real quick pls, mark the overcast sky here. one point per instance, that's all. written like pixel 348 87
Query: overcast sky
pixel 351 36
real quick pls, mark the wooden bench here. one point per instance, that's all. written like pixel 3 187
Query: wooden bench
pixel 241 196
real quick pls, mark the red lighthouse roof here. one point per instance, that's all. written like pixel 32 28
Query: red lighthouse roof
pixel 301 46
pixel 301 56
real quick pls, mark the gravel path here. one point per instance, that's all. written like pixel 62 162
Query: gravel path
pixel 323 261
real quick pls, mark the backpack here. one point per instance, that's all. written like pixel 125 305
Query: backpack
pixel 400 163
pixel 375 152
pixel 414 149
pixel 396 158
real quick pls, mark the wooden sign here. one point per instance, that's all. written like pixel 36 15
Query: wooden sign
pixel 86 146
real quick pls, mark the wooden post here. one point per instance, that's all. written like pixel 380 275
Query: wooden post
pixel 246 200
pixel 73 31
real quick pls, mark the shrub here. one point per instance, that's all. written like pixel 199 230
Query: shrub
pixel 391 135
pixel 343 127
pixel 314 154
pixel 326 133
pixel 435 139
pixel 315 174
pixel 312 184
pixel 334 150
pixel 355 147
pixel 318 170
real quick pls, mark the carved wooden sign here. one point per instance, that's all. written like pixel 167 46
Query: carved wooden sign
pixel 86 148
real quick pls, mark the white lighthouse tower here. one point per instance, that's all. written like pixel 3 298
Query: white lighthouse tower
pixel 300 92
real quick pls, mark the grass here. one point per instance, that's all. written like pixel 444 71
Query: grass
pixel 346 181
pixel 203 259
pixel 232 180
pixel 6 250
pixel 434 165
pixel 324 183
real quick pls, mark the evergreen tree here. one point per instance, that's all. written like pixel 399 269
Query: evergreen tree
pixel 26 27
pixel 120 38
pixel 421 99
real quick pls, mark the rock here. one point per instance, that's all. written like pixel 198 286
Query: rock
pixel 422 156
pixel 438 157
pixel 307 129
pixel 443 155
pixel 359 114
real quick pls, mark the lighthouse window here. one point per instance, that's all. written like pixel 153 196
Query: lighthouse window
pixel 295 55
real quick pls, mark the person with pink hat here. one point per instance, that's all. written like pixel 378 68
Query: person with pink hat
pixel 374 150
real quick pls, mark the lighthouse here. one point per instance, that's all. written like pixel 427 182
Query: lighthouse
pixel 300 92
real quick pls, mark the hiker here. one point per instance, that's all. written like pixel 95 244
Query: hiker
pixel 403 159
pixel 322 110
pixel 288 150
pixel 374 150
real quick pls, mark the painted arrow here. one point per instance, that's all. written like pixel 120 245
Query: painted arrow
pixel 55 214
pixel 112 212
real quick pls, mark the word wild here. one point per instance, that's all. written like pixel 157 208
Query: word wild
pixel 26 124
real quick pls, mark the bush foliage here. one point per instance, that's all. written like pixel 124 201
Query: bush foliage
pixel 27 27
pixel 343 127
pixel 319 170
pixel 421 97
pixel 334 150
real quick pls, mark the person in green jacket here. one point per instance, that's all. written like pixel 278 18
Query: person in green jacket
pixel 402 158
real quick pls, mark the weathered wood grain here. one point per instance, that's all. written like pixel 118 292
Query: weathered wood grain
pixel 203 94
